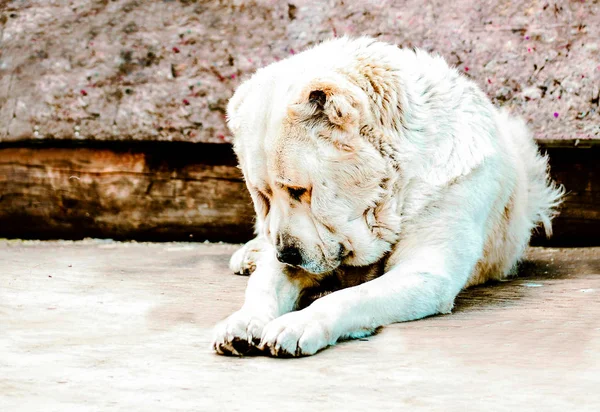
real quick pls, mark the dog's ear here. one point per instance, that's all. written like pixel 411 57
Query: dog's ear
pixel 234 118
pixel 328 102
pixel 317 98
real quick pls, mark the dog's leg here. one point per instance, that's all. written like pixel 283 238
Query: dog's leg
pixel 411 290
pixel 423 277
pixel 270 293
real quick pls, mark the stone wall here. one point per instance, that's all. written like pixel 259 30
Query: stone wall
pixel 163 70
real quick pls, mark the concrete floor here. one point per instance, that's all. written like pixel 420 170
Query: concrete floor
pixel 106 326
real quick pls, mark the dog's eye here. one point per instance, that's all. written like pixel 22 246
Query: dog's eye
pixel 296 192
pixel 263 197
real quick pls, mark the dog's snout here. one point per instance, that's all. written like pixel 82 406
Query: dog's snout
pixel 290 255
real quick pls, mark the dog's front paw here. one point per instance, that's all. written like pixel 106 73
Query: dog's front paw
pixel 296 334
pixel 243 261
pixel 239 334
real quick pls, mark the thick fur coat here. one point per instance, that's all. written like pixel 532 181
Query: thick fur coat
pixel 385 170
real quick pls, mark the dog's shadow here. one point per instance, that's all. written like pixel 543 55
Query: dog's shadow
pixel 530 274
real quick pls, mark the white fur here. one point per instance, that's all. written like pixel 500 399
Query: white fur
pixel 404 160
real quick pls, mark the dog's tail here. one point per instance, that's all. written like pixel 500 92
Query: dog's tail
pixel 544 196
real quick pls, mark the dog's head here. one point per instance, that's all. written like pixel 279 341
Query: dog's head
pixel 316 169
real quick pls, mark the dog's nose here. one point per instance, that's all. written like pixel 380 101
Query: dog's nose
pixel 290 255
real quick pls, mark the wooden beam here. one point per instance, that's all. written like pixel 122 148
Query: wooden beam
pixel 187 191
pixel 134 191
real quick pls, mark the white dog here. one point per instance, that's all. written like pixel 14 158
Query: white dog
pixel 384 170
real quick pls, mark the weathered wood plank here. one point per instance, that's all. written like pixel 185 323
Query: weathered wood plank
pixel 179 191
pixel 140 192
pixel 163 70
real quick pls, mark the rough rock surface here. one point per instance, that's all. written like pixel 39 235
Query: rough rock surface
pixel 163 70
